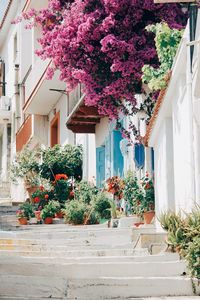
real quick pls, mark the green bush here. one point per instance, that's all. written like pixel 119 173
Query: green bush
pixel 61 160
pixel 102 206
pixel 28 210
pixel 75 212
pixel 184 237
pixel 85 191
pixel 50 209
pixel 133 193
pixel 26 166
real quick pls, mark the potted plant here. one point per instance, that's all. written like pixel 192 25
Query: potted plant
pixel 49 210
pixel 25 212
pixel 147 204
pixel 26 167
pixel 21 217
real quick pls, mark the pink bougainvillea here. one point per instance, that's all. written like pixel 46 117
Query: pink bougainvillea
pixel 103 45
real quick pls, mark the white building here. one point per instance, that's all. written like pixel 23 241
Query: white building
pixel 174 133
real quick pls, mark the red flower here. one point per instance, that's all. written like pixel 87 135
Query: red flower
pixel 36 199
pixel 46 196
pixel 61 176
pixel 147 186
pixel 71 194
pixel 41 188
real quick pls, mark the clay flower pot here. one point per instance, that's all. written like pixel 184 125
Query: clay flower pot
pixel 148 216
pixel 48 220
pixel 23 221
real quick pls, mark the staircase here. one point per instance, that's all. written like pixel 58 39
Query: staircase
pixel 8 219
pixel 85 263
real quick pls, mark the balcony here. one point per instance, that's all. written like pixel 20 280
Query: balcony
pixel 83 119
pixel 32 132
pixel 38 97
pixel 5 113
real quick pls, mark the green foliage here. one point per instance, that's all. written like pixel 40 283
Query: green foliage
pixel 61 160
pixel 26 210
pixel 102 206
pixel 85 191
pixel 113 209
pixel 184 236
pixel 26 166
pixel 133 192
pixel 75 212
pixel 167 41
pixel 193 257
pixel 50 209
pixel 61 190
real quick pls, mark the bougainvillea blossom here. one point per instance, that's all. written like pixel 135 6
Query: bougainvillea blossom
pixel 103 45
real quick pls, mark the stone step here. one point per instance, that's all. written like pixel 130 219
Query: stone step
pixel 5 201
pixel 101 288
pixel 75 252
pixel 8 209
pixel 164 257
pixel 94 269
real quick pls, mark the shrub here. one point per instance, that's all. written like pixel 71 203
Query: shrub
pixel 50 209
pixel 62 187
pixel 183 236
pixel 102 206
pixel 26 166
pixel 85 191
pixel 75 212
pixel 26 210
pixel 133 192
pixel 61 160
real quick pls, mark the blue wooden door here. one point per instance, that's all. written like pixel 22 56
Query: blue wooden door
pixel 139 156
pixel 117 157
pixel 100 165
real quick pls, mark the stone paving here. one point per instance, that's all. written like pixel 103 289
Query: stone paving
pixel 85 263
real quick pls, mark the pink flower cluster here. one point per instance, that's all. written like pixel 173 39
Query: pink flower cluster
pixel 102 44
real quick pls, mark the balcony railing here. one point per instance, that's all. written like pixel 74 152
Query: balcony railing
pixel 24 133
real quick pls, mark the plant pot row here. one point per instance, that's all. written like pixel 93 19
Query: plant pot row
pixel 48 220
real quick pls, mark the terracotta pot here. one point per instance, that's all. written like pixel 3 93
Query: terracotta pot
pixel 59 215
pixel 37 214
pixel 148 216
pixel 48 220
pixel 23 221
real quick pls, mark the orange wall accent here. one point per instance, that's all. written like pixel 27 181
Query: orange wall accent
pixel 55 130
pixel 24 133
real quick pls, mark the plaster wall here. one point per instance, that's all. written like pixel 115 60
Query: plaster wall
pixel 164 170
pixel 102 130
pixel 183 150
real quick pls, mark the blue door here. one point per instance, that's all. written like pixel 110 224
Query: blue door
pixel 118 160
pixel 100 165
pixel 139 156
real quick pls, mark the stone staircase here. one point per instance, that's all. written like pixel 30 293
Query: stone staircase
pixel 8 219
pixel 85 263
